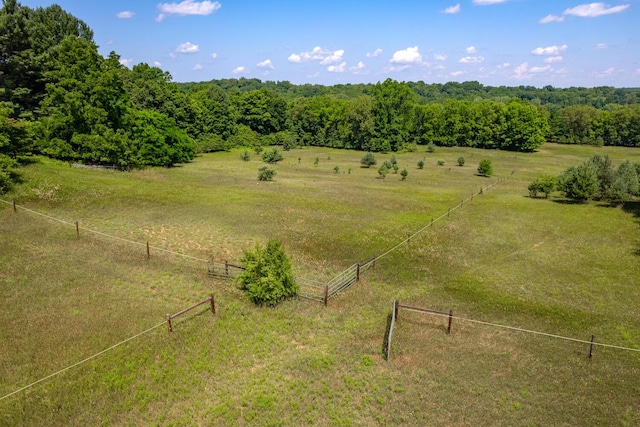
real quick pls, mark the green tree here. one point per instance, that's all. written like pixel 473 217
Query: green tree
pixel 580 182
pixel 383 170
pixel 485 168
pixel 460 161
pixel 403 174
pixel 272 155
pixel 245 156
pixel 624 184
pixel 267 276
pixel 393 111
pixel 420 164
pixel 265 173
pixel 368 160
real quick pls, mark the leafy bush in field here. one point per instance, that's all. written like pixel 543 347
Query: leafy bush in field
pixel 336 169
pixel 272 155
pixel 267 276
pixel 485 168
pixel 383 170
pixel 265 173
pixel 440 162
pixel 245 156
pixel 546 184
pixel 404 174
pixel 8 174
pixel 431 147
pixel 460 161
pixel 420 164
pixel 368 160
pixel 580 182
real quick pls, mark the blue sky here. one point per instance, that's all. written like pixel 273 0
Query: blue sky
pixel 562 43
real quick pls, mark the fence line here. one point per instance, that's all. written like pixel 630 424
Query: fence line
pixel 592 343
pixel 210 300
pixel 81 362
pixel 310 289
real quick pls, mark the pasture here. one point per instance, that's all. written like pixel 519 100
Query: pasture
pixel 546 265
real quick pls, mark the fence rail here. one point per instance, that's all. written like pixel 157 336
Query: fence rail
pixel 209 300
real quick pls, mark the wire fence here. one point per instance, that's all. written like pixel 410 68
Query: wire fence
pixel 309 289
pixel 397 306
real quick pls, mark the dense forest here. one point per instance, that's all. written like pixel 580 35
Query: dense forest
pixel 60 98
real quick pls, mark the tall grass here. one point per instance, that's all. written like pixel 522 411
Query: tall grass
pixel 507 258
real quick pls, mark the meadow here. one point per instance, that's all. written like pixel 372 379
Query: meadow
pixel 546 265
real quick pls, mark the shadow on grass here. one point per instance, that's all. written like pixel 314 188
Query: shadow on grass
pixel 568 202
pixel 632 208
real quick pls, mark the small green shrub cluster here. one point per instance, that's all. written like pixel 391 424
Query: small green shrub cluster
pixel 272 155
pixel 485 168
pixel 267 276
pixel 368 160
pixel 265 173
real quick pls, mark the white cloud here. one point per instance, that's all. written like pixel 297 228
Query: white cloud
pixel 410 55
pixel 638 71
pixel 608 72
pixel 522 71
pixel 452 9
pixel 602 46
pixel 550 50
pixel 187 7
pixel 487 2
pixel 126 62
pixel 551 18
pixel 214 55
pixel 438 57
pixel 540 69
pixel 337 68
pixel 358 69
pixel 197 67
pixel 172 55
pixel 157 64
pixel 457 73
pixel 471 49
pixel 125 14
pixel 325 56
pixel 552 59
pixel 333 58
pixel 188 47
pixel 504 65
pixel 374 53
pixel 593 10
pixel 472 59
pixel 238 70
pixel 266 64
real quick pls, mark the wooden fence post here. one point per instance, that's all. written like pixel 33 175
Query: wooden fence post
pixel 326 294
pixel 449 213
pixel 226 268
pixel 213 304
pixel 148 253
pixel 450 319
pixel 77 230
pixel 396 303
pixel 593 339
pixel 357 272
pixel 169 323
pixel 14 206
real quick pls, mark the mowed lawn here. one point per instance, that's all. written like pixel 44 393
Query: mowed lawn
pixel 544 265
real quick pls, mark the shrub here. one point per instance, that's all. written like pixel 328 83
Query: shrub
pixel 580 183
pixel 272 155
pixel 245 156
pixel 485 168
pixel 316 161
pixel 395 168
pixel 420 164
pixel 460 161
pixel 368 160
pixel 267 276
pixel 265 173
pixel 336 169
pixel 393 160
pixel 440 162
pixel 404 174
pixel 431 147
pixel 383 170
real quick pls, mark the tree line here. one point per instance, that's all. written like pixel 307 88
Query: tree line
pixel 60 98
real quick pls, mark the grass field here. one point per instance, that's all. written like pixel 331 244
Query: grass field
pixel 545 265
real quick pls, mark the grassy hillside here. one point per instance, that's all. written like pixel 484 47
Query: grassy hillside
pixel 546 265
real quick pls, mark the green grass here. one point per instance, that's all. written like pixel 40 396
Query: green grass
pixel 504 257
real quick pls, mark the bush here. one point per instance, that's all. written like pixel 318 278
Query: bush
pixel 272 155
pixel 440 162
pixel 420 164
pixel 383 170
pixel 245 156
pixel 580 183
pixel 485 168
pixel 316 161
pixel 336 169
pixel 368 160
pixel 404 174
pixel 265 173
pixel 267 276
pixel 431 147
pixel 460 161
